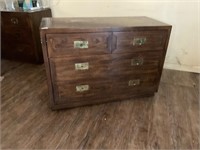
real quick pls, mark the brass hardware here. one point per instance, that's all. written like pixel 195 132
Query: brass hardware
pixel 82 66
pixel 139 41
pixel 137 61
pixel 81 44
pixel 134 82
pixel 14 20
pixel 82 88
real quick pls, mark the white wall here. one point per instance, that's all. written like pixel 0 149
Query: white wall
pixel 183 51
pixel 2 4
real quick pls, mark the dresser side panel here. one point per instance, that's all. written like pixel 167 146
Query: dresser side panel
pixel 47 68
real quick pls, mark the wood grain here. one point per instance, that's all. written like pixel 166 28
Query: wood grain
pixel 108 54
pixel 20 35
pixel 154 40
pixel 103 66
pixel 169 120
pixel 60 45
pixel 101 24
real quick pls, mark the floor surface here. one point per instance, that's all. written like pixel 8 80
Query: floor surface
pixel 169 120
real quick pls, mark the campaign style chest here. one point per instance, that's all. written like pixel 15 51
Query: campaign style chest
pixel 95 60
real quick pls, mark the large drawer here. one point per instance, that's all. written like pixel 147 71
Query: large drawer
pixel 93 90
pixel 21 51
pixel 128 42
pixel 60 45
pixel 17 35
pixel 100 67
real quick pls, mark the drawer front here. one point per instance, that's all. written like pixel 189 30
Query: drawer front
pixel 18 35
pixel 128 42
pixel 18 51
pixel 15 20
pixel 60 45
pixel 64 69
pixel 133 84
pixel 87 91
pixel 104 66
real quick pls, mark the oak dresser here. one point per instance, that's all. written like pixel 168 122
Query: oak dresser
pixel 95 60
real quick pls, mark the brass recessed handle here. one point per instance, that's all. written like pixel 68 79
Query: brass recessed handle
pixel 134 82
pixel 82 66
pixel 139 41
pixel 81 44
pixel 138 61
pixel 14 21
pixel 82 88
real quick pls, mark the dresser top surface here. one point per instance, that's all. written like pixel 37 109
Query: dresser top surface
pixel 100 22
pixel 24 11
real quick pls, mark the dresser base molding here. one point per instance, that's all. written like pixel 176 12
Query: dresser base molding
pixel 89 103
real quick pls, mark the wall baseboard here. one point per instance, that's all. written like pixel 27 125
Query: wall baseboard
pixel 195 69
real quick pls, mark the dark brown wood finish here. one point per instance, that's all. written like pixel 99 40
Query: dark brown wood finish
pixel 122 58
pixel 20 35
pixel 101 24
pixel 168 120
pixel 103 90
pixel 155 40
pixel 104 66
pixel 63 44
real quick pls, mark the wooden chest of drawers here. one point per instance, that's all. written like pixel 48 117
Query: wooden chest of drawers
pixel 21 36
pixel 96 60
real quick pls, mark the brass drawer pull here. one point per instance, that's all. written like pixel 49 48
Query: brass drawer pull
pixel 82 88
pixel 14 21
pixel 139 41
pixel 82 66
pixel 137 61
pixel 134 82
pixel 81 44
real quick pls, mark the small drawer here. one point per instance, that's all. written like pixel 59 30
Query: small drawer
pixel 134 63
pixel 132 84
pixel 100 67
pixel 60 45
pixel 81 90
pixel 128 42
pixel 14 20
pixel 85 67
